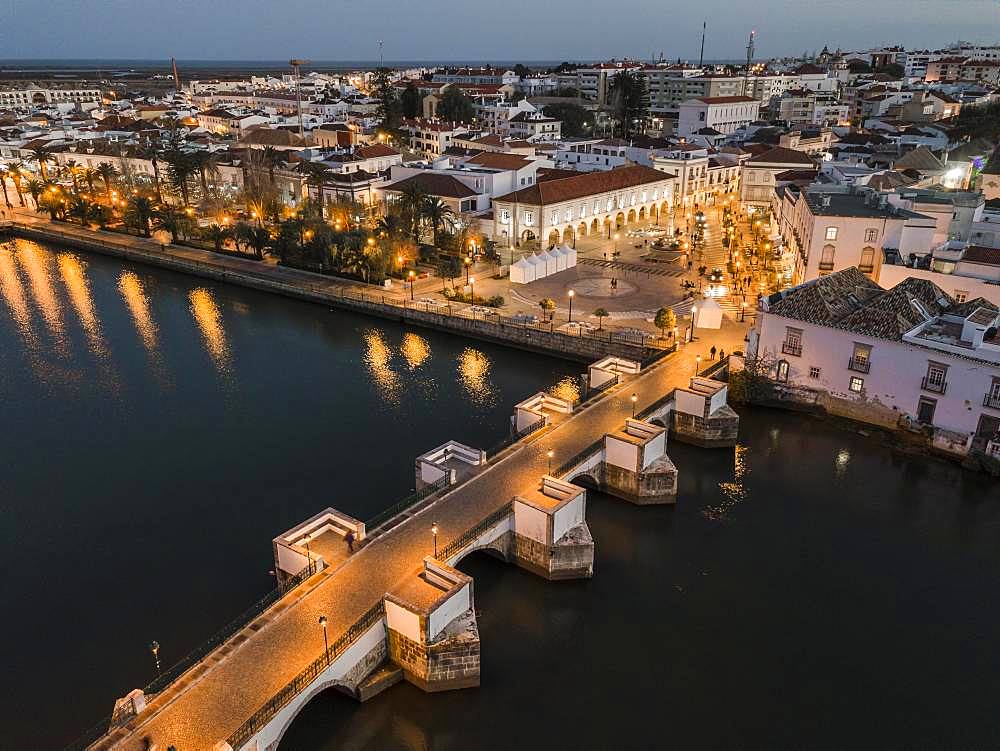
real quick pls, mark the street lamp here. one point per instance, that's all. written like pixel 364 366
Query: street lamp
pixel 472 289
pixel 434 531
pixel 634 400
pixel 309 559
pixel 743 311
pixel 468 262
pixel 572 294
pixel 413 276
pixel 154 647
pixel 550 453
pixel 326 644
pixel 697 364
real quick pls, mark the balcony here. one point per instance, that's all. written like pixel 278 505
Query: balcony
pixel 792 348
pixel 859 364
pixel 992 400
pixel 826 265
pixel 936 387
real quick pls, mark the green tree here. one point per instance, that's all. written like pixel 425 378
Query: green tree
pixel 177 223
pixel 180 169
pixel 629 96
pixel 455 106
pixel 410 101
pixel 317 175
pixel 601 314
pixel 438 214
pixel 548 306
pixel 573 118
pixel 448 267
pixel 15 170
pixel 107 172
pixel 412 201
pixel 3 184
pixel 389 109
pixel 35 188
pixel 43 155
pixel 152 152
pixel 217 235
pixel 138 214
pixel 665 319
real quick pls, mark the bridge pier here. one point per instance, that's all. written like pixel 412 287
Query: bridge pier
pixel 702 416
pixel 636 467
pixel 550 536
pixel 432 631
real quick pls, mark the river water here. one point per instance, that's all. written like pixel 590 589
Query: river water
pixel 811 588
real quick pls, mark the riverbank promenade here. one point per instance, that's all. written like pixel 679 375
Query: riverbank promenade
pixel 211 704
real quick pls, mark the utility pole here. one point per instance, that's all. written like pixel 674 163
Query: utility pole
pixel 701 57
pixel 296 64
pixel 746 73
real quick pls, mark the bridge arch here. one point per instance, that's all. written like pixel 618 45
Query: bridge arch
pixel 586 480
pixel 303 699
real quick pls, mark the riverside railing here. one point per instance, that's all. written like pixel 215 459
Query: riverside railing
pixel 192 658
pixel 473 533
pixel 259 719
pixel 514 438
pixel 578 457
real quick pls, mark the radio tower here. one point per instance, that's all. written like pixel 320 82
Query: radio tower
pixel 746 73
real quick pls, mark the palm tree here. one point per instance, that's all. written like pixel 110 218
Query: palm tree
pixel 180 168
pixel 43 154
pixel 72 169
pixel 89 174
pixel 411 204
pixel 438 214
pixel 152 152
pixel 107 172
pixel 217 235
pixel 175 222
pixel 391 226
pixel 139 212
pixel 35 189
pixel 271 157
pixel 3 184
pixel 205 162
pixel 252 236
pixel 16 172
pixel 318 174
pixel 82 209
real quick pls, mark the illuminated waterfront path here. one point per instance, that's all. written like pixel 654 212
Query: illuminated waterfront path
pixel 205 707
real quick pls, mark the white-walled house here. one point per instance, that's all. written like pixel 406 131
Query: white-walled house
pixel 726 114
pixel 902 357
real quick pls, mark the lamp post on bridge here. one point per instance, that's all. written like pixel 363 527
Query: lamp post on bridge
pixel 572 294
pixel 634 400
pixel 309 558
pixel 434 531
pixel 154 647
pixel 550 453
pixel 326 644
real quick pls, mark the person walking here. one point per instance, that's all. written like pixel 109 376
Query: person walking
pixel 722 354
pixel 349 539
pixel 712 351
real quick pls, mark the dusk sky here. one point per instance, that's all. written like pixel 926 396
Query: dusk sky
pixel 453 30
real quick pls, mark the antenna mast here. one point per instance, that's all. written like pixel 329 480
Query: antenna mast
pixel 701 57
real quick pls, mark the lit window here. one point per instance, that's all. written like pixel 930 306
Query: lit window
pixel 782 371
pixel 857 384
pixel 831 233
pixel 961 295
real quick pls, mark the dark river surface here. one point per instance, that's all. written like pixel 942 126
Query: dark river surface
pixel 812 589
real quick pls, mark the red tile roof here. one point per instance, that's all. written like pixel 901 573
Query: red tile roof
pixel 585 184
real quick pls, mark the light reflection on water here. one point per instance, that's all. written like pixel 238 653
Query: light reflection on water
pixel 734 492
pixel 35 263
pixel 12 290
pixel 206 315
pixel 378 359
pixel 568 388
pixel 72 271
pixel 415 349
pixel 474 377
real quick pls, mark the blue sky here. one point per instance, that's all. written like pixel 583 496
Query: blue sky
pixel 465 29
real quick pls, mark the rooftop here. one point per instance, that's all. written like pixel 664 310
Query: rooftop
pixel 585 184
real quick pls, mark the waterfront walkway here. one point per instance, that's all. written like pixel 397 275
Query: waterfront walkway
pixel 210 702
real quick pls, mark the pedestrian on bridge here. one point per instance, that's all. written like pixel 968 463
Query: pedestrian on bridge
pixel 712 351
pixel 349 539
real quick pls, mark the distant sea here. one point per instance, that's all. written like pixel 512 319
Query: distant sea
pixel 83 65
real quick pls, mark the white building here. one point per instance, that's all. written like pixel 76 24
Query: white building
pixel 34 96
pixel 757 180
pixel 726 114
pixel 907 356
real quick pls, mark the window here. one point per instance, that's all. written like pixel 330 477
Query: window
pixel 867 264
pixel 826 258
pixel 831 233
pixel 504 216
pixel 793 342
pixel 782 374
pixel 961 295
pixel 925 410
pixel 529 217
pixel 936 378
pixel 871 235
pixel 814 372
pixel 857 384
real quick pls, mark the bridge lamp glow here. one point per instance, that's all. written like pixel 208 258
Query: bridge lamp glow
pixel 434 531
pixel 154 647
pixel 634 400
pixel 697 364
pixel 326 643
pixel 572 294
pixel 550 453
